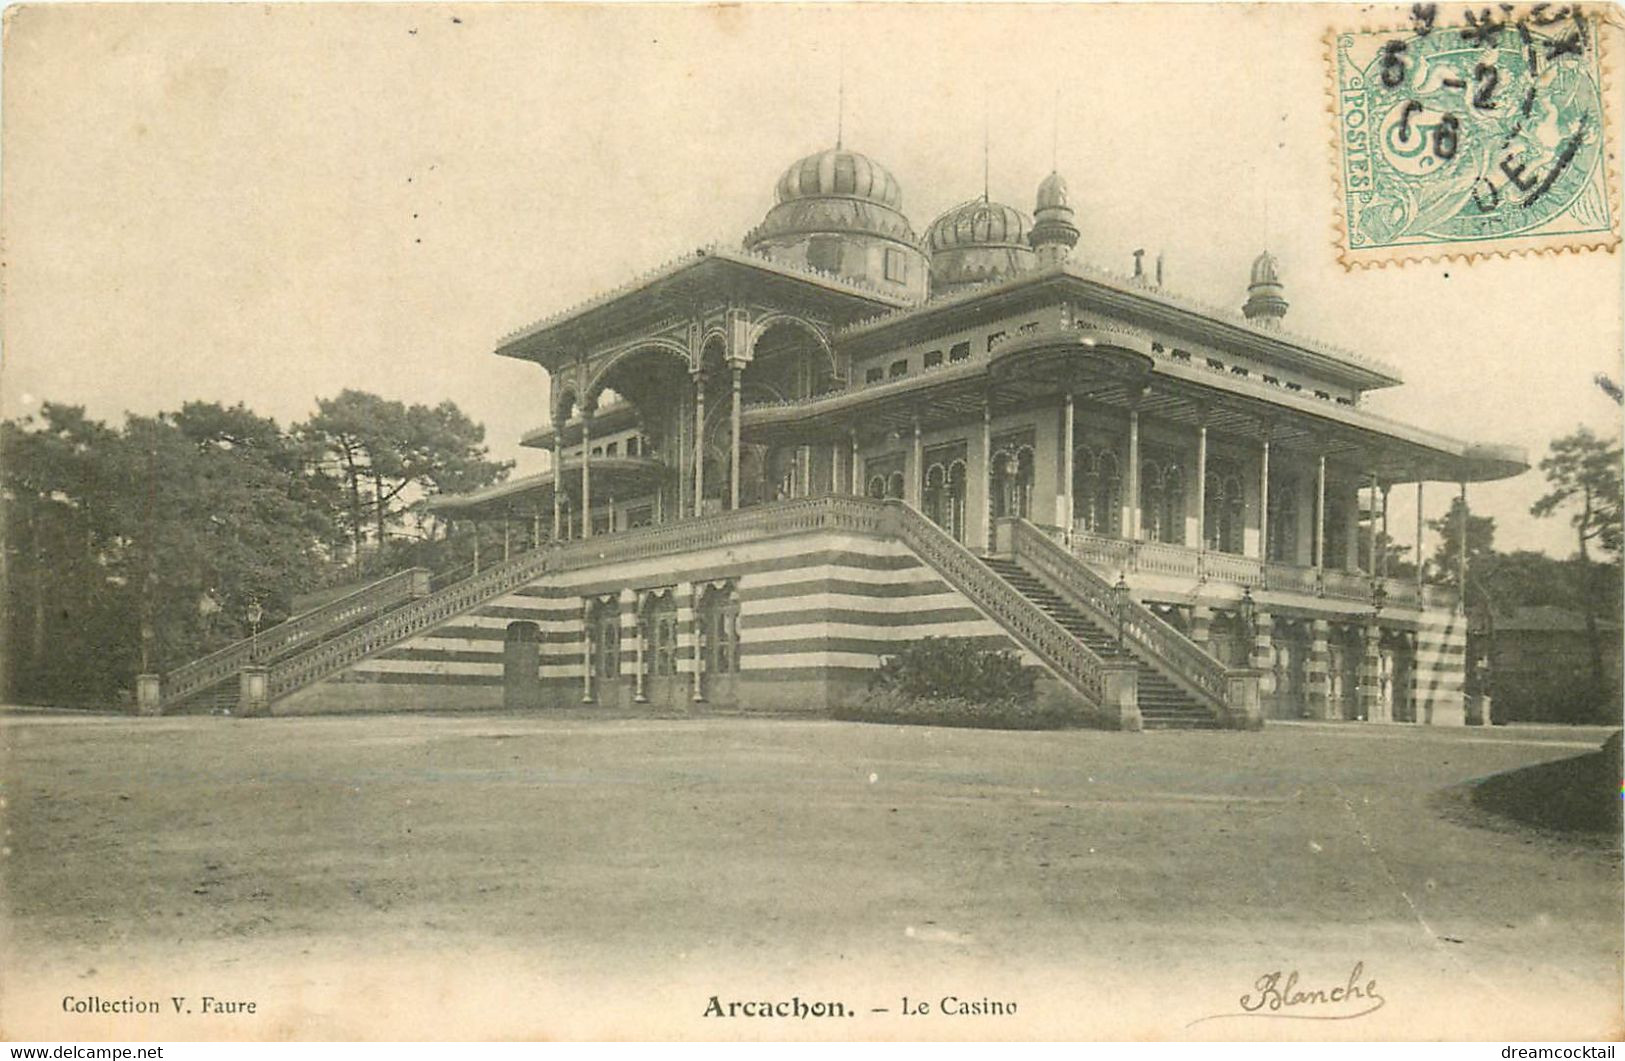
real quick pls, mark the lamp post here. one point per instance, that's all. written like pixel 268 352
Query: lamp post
pixel 255 614
pixel 1120 600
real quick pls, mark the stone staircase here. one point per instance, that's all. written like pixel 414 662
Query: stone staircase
pixel 211 683
pixel 1163 705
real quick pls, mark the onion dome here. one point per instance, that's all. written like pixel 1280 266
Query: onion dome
pixel 978 223
pixel 840 172
pixel 1053 235
pixel 977 242
pixel 1052 193
pixel 1266 296
pixel 834 192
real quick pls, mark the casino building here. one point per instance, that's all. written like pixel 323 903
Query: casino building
pixel 774 464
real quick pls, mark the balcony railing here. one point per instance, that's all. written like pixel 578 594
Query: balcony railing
pixel 1160 558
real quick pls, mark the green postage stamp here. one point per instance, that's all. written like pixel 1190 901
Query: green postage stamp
pixel 1481 133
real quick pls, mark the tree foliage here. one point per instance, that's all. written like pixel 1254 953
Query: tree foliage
pixel 140 547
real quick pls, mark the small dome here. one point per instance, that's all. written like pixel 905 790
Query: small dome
pixel 1052 192
pixel 840 173
pixel 978 223
pixel 1266 297
pixel 1266 270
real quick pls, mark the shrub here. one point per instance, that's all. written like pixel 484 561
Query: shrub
pixel 952 682
pixel 953 668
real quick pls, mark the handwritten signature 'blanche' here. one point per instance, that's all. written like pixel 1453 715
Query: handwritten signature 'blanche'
pixel 1275 994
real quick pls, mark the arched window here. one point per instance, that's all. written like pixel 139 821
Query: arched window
pixel 1283 529
pixel 660 633
pixel 605 629
pixel 894 485
pixel 719 629
pixel 936 494
pixel 1225 507
pixel 876 487
pixel 1162 500
pixel 1010 481
pixel 944 497
pixel 1097 491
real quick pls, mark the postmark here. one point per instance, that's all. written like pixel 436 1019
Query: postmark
pixel 1473 132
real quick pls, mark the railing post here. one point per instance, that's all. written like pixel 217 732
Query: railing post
pixel 253 699
pixel 148 695
pixel 1120 703
pixel 1242 698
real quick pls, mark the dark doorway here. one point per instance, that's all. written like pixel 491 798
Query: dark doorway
pixel 521 666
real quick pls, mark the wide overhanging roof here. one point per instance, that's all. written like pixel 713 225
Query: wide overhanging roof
pixel 671 290
pixel 1174 392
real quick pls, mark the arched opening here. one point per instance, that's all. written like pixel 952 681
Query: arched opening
pixel 1162 500
pixel 1290 640
pixel 717 619
pixel 1010 480
pixel 1097 491
pixel 1225 507
pixel 1283 521
pixel 788 363
pixel 521 666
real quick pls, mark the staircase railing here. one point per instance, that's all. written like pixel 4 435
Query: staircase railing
pixel 1177 654
pixel 834 512
pixel 1029 624
pixel 292 634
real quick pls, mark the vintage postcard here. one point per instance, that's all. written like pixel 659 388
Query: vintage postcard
pixel 831 522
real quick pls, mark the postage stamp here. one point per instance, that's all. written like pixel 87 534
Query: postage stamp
pixel 1487 136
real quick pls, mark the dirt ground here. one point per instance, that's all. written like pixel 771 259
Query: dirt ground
pixel 541 877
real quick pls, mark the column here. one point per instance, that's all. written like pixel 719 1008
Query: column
pixel 916 460
pixel 980 536
pixel 558 481
pixel 586 650
pixel 1131 478
pixel 1201 487
pixel 699 443
pixel 632 632
pixel 857 476
pixel 476 525
pixel 586 473
pixel 1317 672
pixel 1419 539
pixel 507 538
pixel 1382 569
pixel 1068 432
pixel 1370 672
pixel 834 467
pixel 1261 657
pixel 536 529
pixel 1371 529
pixel 1461 550
pixel 1264 500
pixel 804 470
pixel 699 644
pixel 1201 620
pixel 733 463
pixel 1320 514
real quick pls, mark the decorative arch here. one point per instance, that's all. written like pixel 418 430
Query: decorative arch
pixel 766 323
pixel 596 385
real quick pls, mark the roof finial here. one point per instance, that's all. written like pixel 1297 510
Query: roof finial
pixel 840 95
pixel 985 135
pixel 1055 136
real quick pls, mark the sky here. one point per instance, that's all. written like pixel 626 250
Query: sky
pixel 268 204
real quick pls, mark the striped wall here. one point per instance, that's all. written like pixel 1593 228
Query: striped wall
pixel 1441 653
pixel 816 613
